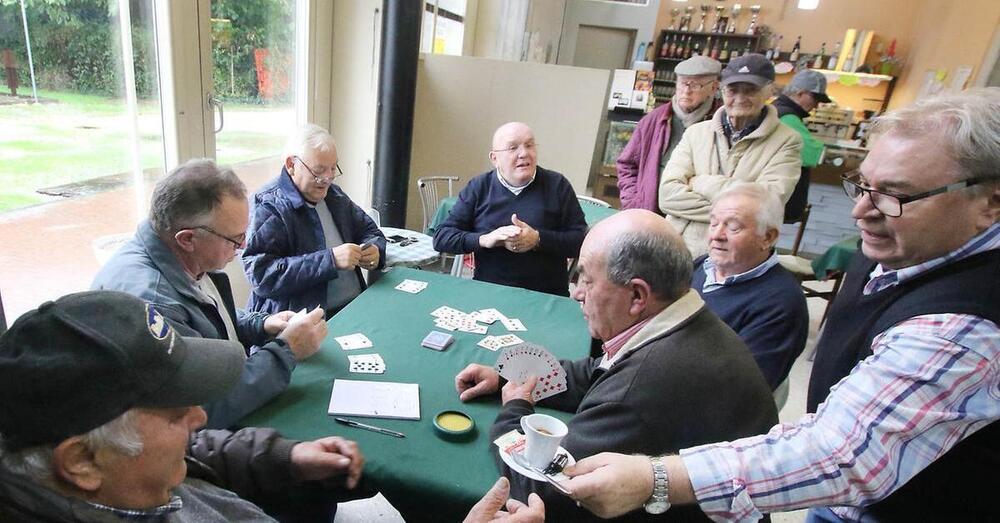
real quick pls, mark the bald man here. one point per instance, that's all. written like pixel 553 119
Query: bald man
pixel 671 374
pixel 521 221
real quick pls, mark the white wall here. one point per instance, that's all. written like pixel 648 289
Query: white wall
pixel 462 100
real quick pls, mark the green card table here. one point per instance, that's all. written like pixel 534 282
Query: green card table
pixel 423 475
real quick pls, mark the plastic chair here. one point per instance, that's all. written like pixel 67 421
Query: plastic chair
pixel 431 193
pixel 587 200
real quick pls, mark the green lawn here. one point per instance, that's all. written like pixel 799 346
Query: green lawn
pixel 78 137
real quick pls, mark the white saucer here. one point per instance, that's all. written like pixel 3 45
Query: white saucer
pixel 514 465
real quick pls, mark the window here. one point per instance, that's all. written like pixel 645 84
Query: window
pixel 443 27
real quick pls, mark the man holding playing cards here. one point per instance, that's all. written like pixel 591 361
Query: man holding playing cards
pixel 671 374
pixel 308 241
pixel 521 221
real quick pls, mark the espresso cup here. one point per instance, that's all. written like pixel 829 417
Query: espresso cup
pixel 542 435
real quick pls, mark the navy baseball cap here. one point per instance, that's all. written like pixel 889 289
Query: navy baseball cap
pixel 750 68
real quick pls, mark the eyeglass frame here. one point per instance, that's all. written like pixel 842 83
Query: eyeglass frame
pixel 752 90
pixel 901 199
pixel 528 146
pixel 321 180
pixel 236 244
pixel 687 84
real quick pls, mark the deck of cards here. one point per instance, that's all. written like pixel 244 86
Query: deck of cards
pixel 437 340
pixel 366 364
pixel 518 362
pixel 411 286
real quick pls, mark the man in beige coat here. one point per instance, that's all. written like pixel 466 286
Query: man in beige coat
pixel 744 142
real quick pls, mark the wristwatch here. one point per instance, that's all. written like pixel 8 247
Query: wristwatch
pixel 658 503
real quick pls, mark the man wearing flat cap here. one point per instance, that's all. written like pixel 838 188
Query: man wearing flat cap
pixel 101 397
pixel 743 142
pixel 806 90
pixel 658 133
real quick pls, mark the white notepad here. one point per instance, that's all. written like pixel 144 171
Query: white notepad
pixel 375 399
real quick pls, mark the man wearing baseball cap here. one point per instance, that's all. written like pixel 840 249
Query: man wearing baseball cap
pixel 100 399
pixel 806 90
pixel 743 142
pixel 658 133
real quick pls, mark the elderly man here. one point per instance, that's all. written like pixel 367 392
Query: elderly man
pixel 197 221
pixel 659 132
pixel 744 142
pixel 672 373
pixel 741 281
pixel 904 387
pixel 806 90
pixel 101 399
pixel 308 241
pixel 521 221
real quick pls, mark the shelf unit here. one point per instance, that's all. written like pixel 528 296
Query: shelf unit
pixel 663 67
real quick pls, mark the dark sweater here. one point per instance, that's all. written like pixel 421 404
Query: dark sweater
pixel 769 313
pixel 956 486
pixel 549 205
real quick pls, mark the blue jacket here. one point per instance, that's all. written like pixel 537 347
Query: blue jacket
pixel 146 268
pixel 286 259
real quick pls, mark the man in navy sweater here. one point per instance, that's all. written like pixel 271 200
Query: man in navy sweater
pixel 521 221
pixel 741 281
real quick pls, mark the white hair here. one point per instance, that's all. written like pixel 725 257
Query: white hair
pixel 966 124
pixel 309 137
pixel 770 211
pixel 120 434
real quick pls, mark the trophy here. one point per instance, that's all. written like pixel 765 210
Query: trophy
pixel 752 29
pixel 720 22
pixel 673 17
pixel 704 15
pixel 736 10
pixel 686 23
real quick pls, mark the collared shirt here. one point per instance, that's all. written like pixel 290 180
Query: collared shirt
pixel 713 284
pixel 735 136
pixel 676 313
pixel 173 505
pixel 511 188
pixel 612 346
pixel 926 386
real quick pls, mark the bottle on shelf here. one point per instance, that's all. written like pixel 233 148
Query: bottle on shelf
pixel 831 64
pixel 769 54
pixel 716 50
pixel 650 52
pixel 665 48
pixel 794 55
pixel 746 50
pixel 818 62
pixel 776 54
pixel 672 48
pixel 694 51
pixel 708 47
pixel 723 53
pixel 679 50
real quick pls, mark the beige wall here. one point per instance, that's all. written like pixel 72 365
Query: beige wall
pixel 462 100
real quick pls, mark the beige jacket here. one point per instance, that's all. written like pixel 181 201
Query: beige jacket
pixel 703 165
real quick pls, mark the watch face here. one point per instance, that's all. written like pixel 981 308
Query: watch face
pixel 657 507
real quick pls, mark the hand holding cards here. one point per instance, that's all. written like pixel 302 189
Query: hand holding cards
pixel 518 362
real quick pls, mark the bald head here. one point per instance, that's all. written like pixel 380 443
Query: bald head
pixel 503 133
pixel 637 243
pixel 513 153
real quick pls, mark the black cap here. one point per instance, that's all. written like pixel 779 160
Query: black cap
pixel 750 68
pixel 81 361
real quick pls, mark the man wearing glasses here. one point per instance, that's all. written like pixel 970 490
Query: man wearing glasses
pixel 744 142
pixel 197 223
pixel 521 221
pixel 905 390
pixel 658 133
pixel 306 236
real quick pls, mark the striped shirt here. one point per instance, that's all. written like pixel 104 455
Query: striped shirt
pixel 931 381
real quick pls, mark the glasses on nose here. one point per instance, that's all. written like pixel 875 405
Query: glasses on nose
pixel 891 204
pixel 740 88
pixel 513 148
pixel 317 174
pixel 693 86
pixel 236 241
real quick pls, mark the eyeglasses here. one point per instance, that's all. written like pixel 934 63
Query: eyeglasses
pixel 891 204
pixel 746 89
pixel 693 86
pixel 317 175
pixel 528 146
pixel 237 241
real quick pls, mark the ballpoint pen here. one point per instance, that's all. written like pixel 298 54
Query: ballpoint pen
pixel 380 430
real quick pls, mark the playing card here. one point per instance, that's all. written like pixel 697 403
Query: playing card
pixel 517 362
pixel 512 324
pixel 487 315
pixel 354 341
pixel 491 343
pixel 445 311
pixel 366 364
pixel 509 339
pixel 412 286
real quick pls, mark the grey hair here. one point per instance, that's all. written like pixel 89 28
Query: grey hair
pixel 187 196
pixel 770 211
pixel 659 260
pixel 309 137
pixel 966 124
pixel 120 434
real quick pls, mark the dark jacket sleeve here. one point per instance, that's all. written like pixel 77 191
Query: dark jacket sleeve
pixel 457 235
pixel 567 237
pixel 250 327
pixel 266 373
pixel 271 266
pixel 252 462
pixel 365 229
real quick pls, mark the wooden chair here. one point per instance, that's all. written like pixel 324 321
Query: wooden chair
pixel 802 268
